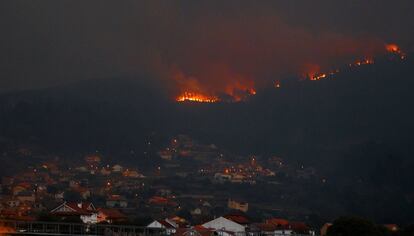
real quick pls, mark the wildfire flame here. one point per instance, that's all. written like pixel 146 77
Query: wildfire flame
pixel 390 48
pixel 395 49
pixel 241 88
pixel 323 75
pixel 277 84
pixel 234 96
pixel 239 92
pixel 193 89
pixel 196 97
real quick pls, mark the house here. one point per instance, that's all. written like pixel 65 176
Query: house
pixel 222 223
pixel 181 222
pixel 26 196
pixel 105 171
pixel 277 222
pixel 324 229
pixel 270 229
pixel 41 188
pixel 162 190
pixel 196 211
pixel 117 168
pixel 161 201
pixel 93 159
pixel 82 169
pixel 59 195
pixel 262 229
pixel 20 188
pixel 37 206
pixel 132 174
pixel 392 227
pixel 7 181
pixel 85 193
pixel 116 201
pixel 110 215
pixel 165 154
pixel 283 231
pixel 85 211
pixel 195 231
pixel 237 178
pixel 73 184
pixel 168 225
pixel 222 178
pixel 238 205
pixel 206 204
pixel 300 227
pixel 13 203
pixel 238 217
pixel 284 227
pixel 9 213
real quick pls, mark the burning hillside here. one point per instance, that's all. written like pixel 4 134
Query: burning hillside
pixel 196 97
pixel 316 75
pixel 233 87
pixel 235 95
pixel 237 88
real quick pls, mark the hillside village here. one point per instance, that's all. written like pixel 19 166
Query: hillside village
pixel 184 190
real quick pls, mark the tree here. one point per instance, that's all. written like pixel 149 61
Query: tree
pixel 72 196
pixel 407 231
pixel 354 226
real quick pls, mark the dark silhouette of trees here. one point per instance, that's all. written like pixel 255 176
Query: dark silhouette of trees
pixel 354 226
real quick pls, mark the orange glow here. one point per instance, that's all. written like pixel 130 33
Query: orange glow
pixel 232 87
pixel 395 49
pixel 6 230
pixel 315 76
pixel 277 84
pixel 314 73
pixel 366 61
pixel 196 97
pixel 233 93
pixel 318 77
pixel 240 91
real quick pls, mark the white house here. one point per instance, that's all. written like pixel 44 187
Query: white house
pixel 222 223
pixel 117 168
pixel 167 224
pixel 283 232
pixel 86 211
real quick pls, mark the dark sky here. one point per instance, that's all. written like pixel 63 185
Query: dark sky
pixel 208 43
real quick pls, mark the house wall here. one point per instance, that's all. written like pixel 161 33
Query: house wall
pixel 89 219
pixel 238 205
pixel 224 224
pixel 156 224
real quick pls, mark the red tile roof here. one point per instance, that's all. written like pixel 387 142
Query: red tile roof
pixel 113 214
pixel 238 218
pixel 161 201
pixel 266 227
pixel 83 208
pixel 193 232
pixel 278 222
pixel 299 226
pixel 166 224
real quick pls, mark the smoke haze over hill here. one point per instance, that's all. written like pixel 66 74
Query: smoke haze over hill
pixel 213 47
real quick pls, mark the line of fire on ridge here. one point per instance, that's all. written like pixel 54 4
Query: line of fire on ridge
pixel 188 96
